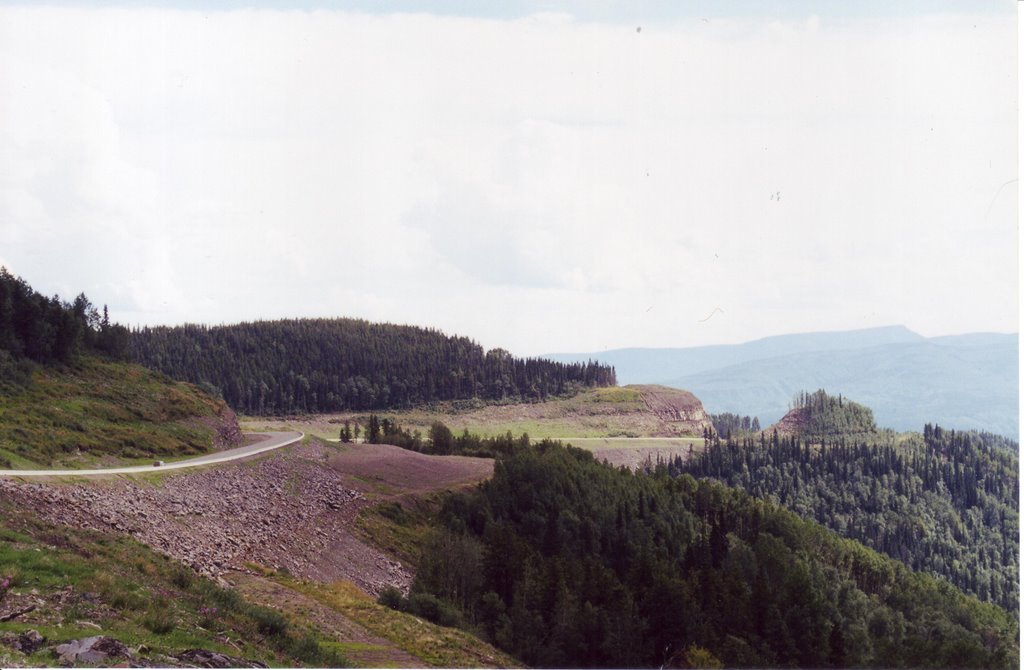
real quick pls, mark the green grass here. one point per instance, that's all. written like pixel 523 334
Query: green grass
pixel 437 646
pixel 96 411
pixel 88 579
pixel 617 394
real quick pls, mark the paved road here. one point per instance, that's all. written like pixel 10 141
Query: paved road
pixel 271 441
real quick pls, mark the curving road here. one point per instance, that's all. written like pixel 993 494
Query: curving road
pixel 272 441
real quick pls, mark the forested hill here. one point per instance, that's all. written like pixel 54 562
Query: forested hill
pixel 943 502
pixel 566 562
pixel 821 417
pixel 324 365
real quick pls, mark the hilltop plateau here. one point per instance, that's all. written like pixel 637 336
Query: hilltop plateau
pixel 623 425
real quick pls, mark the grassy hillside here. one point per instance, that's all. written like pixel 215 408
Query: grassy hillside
pixel 97 411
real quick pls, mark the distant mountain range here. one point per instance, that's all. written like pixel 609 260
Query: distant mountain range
pixel 958 381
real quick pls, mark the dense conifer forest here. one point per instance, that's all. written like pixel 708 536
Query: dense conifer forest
pixel 945 502
pixel 564 561
pixel 37 329
pixel 325 365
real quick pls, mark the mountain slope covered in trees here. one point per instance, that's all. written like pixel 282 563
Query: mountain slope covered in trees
pixel 564 562
pixel 325 365
pixel 944 502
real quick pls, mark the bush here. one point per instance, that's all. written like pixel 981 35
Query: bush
pixel 393 511
pixel 159 621
pixel 434 609
pixel 268 622
pixel 182 577
pixel 392 597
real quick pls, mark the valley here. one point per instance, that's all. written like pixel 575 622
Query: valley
pixel 522 513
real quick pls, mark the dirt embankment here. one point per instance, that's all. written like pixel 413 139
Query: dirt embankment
pixel 289 510
pixel 794 423
pixel 680 412
pixel 224 424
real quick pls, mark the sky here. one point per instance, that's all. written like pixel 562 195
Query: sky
pixel 538 176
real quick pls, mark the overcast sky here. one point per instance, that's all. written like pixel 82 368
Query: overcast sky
pixel 545 177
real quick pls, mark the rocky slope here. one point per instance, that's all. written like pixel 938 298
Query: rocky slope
pixel 289 511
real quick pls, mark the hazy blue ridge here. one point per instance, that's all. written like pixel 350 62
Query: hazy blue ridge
pixel 961 382
pixel 649 366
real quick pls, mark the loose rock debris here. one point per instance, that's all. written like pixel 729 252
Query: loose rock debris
pixel 287 511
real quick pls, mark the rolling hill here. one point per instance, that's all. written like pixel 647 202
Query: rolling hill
pixel 964 381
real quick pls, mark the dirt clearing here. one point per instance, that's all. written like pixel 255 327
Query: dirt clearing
pixel 386 469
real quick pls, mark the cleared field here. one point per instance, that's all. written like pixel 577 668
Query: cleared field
pixel 618 412
pixel 382 468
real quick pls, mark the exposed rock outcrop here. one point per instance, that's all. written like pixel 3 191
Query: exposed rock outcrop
pixel 93 650
pixel 26 642
pixel 681 411
pixel 201 658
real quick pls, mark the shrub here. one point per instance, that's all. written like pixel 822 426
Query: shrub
pixel 392 597
pixel 159 620
pixel 434 609
pixel 268 622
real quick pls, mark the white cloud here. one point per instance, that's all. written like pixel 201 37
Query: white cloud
pixel 539 184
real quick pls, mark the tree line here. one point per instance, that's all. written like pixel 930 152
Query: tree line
pixel 728 423
pixel 827 417
pixel 326 365
pixel 567 562
pixel 439 440
pixel 943 501
pixel 49 330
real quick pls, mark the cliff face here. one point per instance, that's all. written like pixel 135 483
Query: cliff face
pixel 680 412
